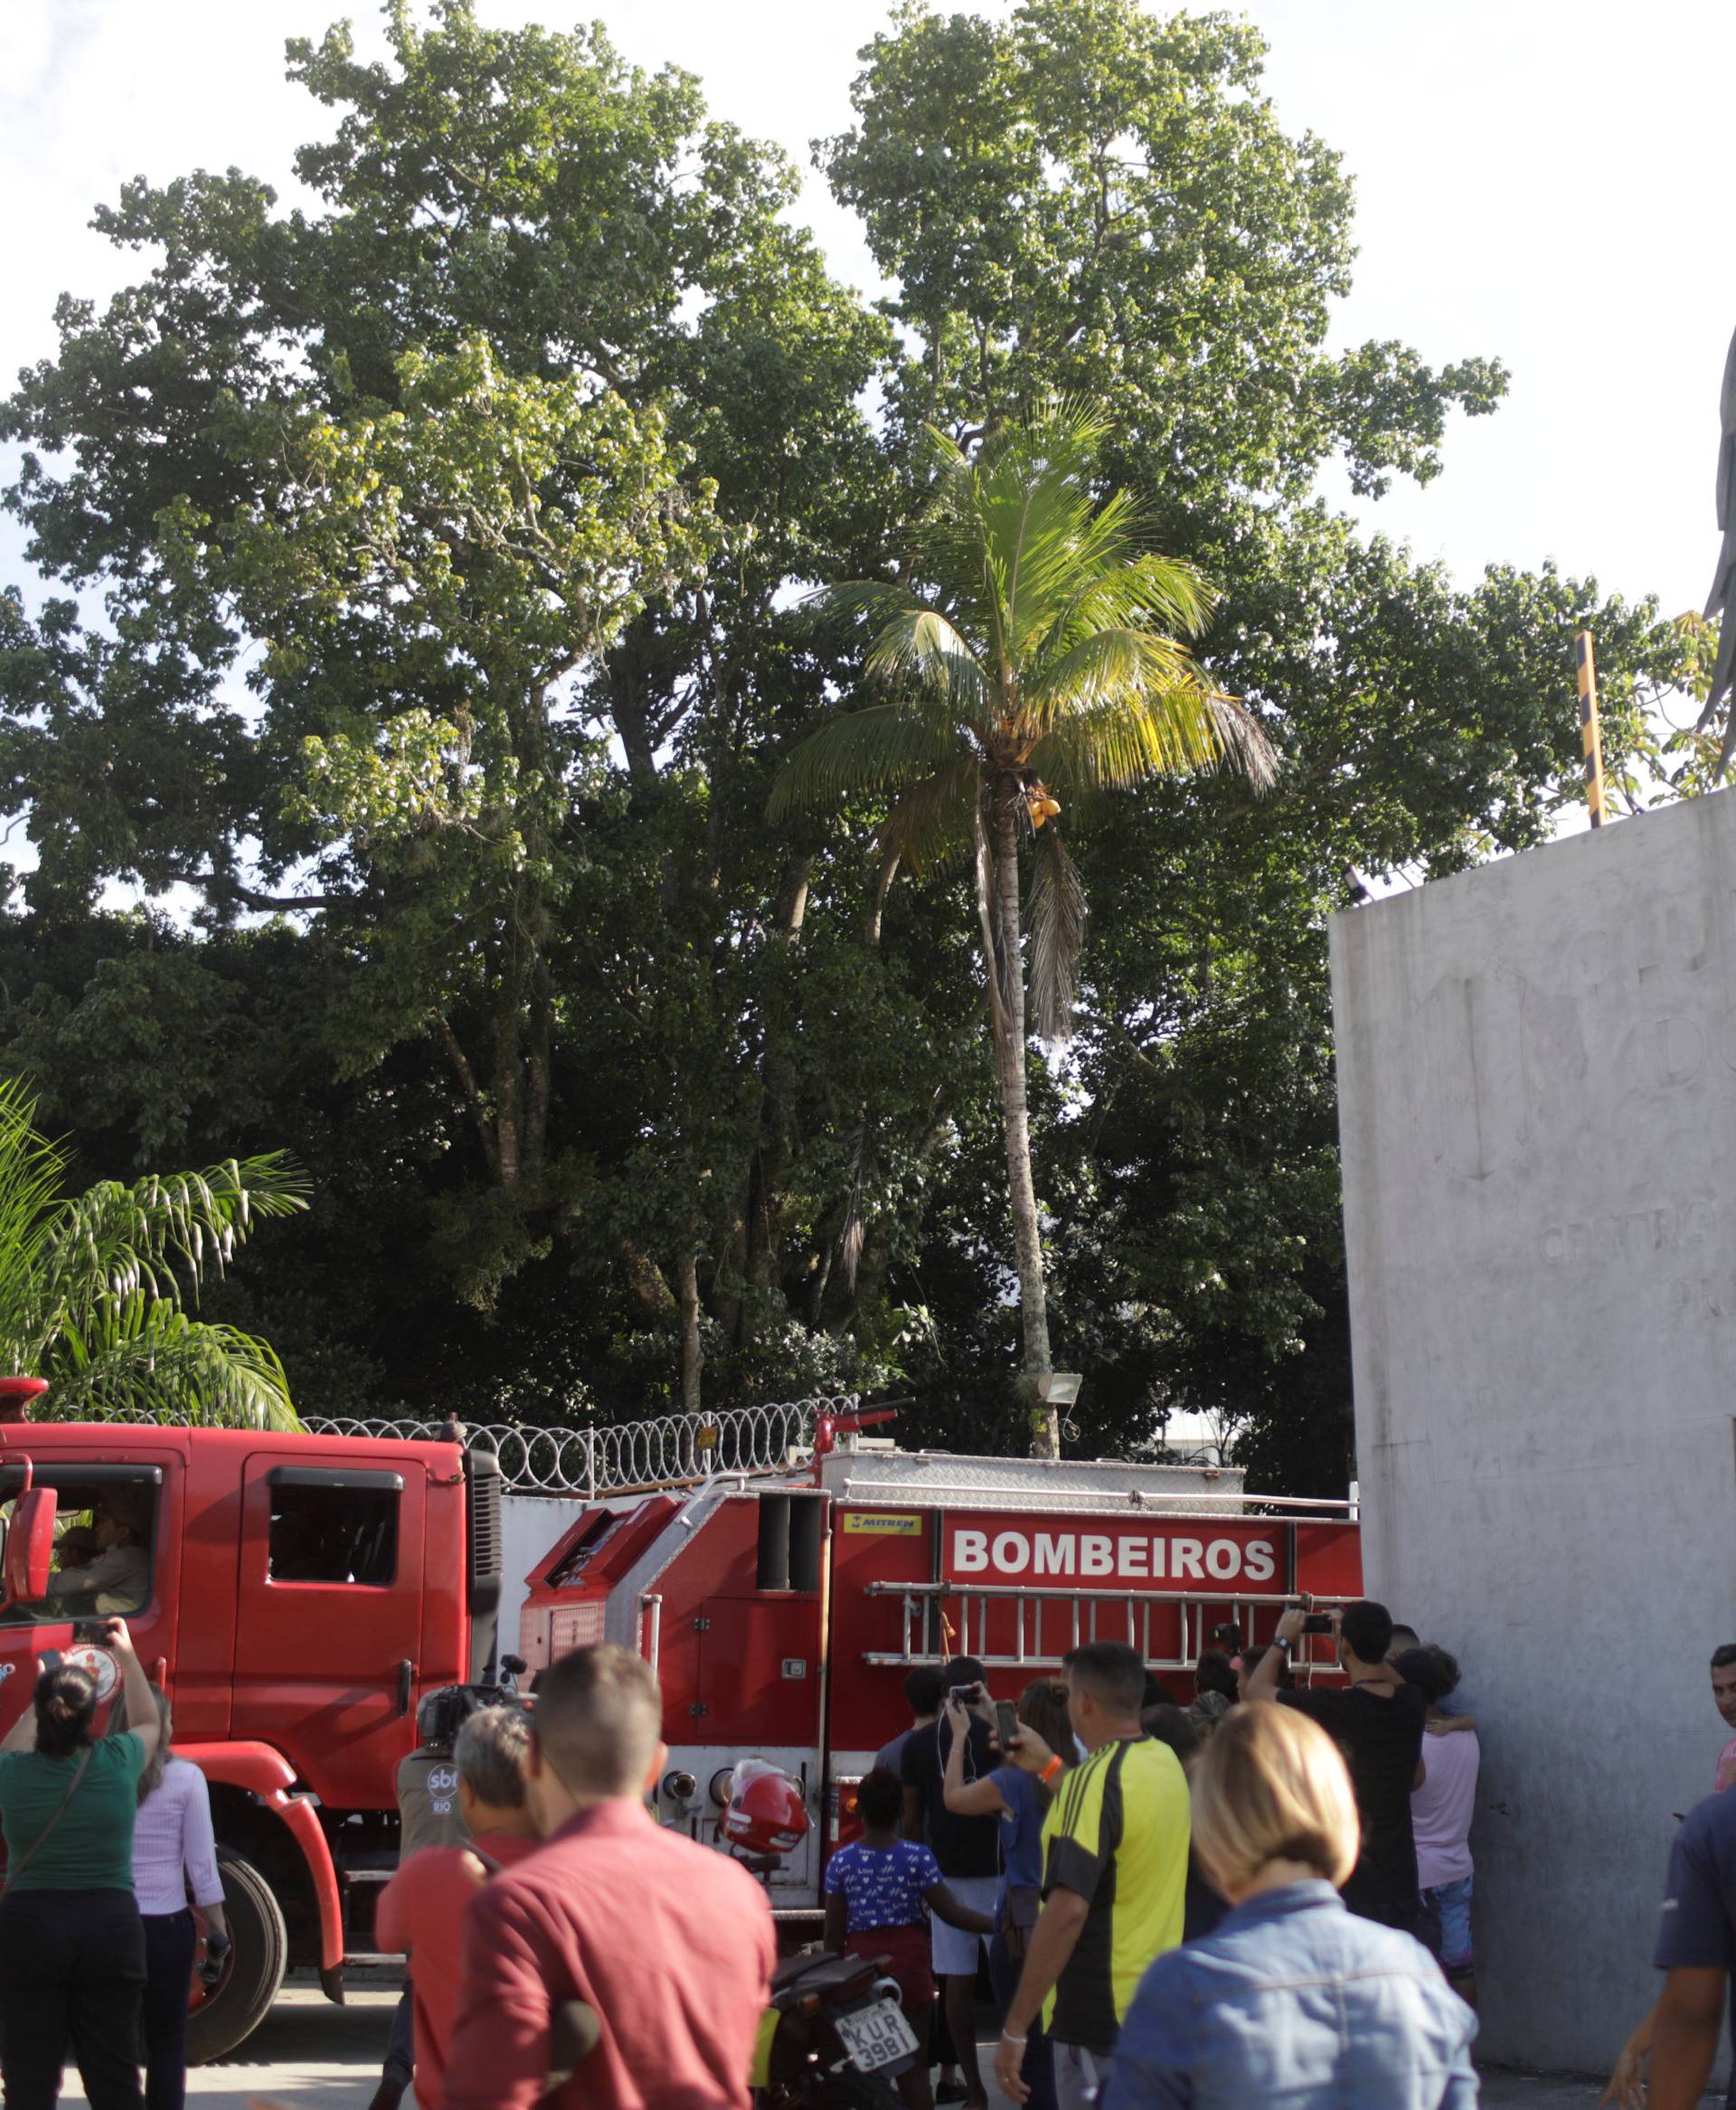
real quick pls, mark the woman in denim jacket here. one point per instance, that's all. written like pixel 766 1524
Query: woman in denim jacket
pixel 1292 2003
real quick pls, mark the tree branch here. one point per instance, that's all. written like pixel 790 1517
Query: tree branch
pixel 218 883
pixel 473 1095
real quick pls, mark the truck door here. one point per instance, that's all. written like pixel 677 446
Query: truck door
pixel 330 1624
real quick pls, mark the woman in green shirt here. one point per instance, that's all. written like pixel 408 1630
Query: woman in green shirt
pixel 71 1947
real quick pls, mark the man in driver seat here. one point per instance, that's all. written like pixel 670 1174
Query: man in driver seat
pixel 118 1581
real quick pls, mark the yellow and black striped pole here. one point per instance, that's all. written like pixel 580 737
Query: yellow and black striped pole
pixel 1590 737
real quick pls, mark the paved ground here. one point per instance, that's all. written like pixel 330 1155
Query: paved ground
pixel 312 2056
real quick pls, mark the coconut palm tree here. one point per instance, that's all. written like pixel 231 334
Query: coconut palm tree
pixel 94 1286
pixel 1029 652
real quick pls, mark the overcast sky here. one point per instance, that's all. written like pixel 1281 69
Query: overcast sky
pixel 1546 182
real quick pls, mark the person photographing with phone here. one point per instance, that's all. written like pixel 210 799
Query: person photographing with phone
pixel 1377 1722
pixel 967 1848
pixel 1020 1801
pixel 71 1943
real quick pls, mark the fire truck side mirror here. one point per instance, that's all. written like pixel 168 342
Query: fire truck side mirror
pixel 30 1546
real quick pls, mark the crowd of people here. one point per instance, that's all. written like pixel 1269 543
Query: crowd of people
pixel 1261 1896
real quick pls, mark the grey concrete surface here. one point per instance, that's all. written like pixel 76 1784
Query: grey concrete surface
pixel 312 2056
pixel 306 2054
pixel 1537 1081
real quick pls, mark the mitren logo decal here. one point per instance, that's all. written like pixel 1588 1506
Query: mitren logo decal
pixel 1096 1556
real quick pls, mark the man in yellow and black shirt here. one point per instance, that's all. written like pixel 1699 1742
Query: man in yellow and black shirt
pixel 1115 1876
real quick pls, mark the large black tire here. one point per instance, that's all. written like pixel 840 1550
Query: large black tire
pixel 239 2002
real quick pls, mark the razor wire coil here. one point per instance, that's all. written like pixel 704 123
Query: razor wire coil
pixel 666 1450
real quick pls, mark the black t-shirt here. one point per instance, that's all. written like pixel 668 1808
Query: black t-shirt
pixel 1382 1740
pixel 964 1846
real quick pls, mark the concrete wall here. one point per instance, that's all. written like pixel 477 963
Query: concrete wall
pixel 1537 1083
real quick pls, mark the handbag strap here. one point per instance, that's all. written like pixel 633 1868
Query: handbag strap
pixel 17 1869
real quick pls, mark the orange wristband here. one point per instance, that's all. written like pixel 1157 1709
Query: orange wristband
pixel 1049 1771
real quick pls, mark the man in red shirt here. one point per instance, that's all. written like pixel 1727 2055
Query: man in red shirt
pixel 669 1944
pixel 423 1908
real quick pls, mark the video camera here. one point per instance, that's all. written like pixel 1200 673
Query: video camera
pixel 442 1714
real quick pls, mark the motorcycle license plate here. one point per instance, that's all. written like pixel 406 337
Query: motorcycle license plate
pixel 876 2035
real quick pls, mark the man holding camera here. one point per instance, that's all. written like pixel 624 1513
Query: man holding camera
pixel 421 1909
pixel 431 1815
pixel 1377 1722
pixel 969 1850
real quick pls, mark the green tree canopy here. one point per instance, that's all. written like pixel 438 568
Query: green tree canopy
pixel 423 571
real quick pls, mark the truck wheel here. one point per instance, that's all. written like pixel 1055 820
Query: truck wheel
pixel 231 2010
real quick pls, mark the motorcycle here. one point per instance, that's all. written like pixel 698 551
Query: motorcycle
pixel 834 2037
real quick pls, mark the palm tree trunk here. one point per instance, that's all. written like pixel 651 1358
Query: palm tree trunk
pixel 1034 1304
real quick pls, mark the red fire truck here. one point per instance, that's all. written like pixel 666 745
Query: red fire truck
pixel 302 1592
pixel 781 1615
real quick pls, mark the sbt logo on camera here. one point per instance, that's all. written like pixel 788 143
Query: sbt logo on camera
pixel 1130 1557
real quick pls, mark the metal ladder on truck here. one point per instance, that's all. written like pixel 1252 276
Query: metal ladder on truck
pixel 1048 1622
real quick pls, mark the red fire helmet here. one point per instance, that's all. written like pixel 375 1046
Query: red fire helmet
pixel 767 1814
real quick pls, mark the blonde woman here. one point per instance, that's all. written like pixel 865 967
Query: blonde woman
pixel 1293 2001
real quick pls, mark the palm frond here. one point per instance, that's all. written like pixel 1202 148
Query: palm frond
pixel 1057 936
pixel 146 1360
pixel 1037 519
pixel 1147 592
pixel 30 1172
pixel 1108 669
pixel 923 645
pixel 1245 742
pixel 877 599
pixel 114 1240
pixel 881 747
pixel 930 823
pixel 1130 735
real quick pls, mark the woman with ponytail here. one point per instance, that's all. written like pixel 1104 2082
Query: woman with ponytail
pixel 71 1944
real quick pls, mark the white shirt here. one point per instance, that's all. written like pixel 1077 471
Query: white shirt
pixel 173 1845
pixel 1441 1809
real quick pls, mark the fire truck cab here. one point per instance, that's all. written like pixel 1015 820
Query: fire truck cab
pixel 781 1615
pixel 295 1595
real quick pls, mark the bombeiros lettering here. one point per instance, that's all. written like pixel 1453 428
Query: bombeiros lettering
pixel 1097 1556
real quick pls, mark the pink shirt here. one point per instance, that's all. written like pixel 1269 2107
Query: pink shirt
pixel 1442 1807
pixel 669 1943
pixel 421 1912
pixel 1725 1775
